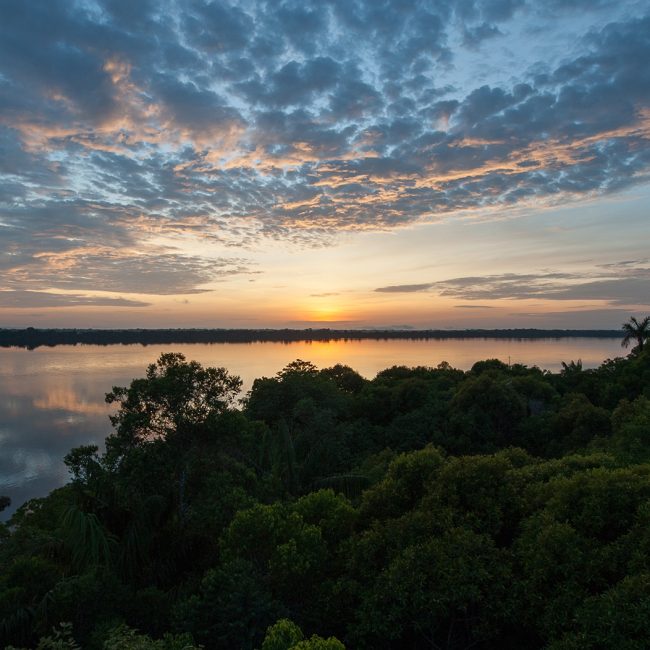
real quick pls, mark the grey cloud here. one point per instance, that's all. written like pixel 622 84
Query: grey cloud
pixel 303 26
pixel 383 135
pixel 354 99
pixel 483 103
pixel 625 264
pixel 134 14
pixel 500 10
pixel 576 5
pixel 79 245
pixel 490 10
pixel 196 108
pixel 405 288
pixel 176 56
pixel 294 83
pixel 508 285
pixel 620 291
pixel 115 271
pixel 474 36
pixel 623 284
pixel 627 289
pixel 31 299
pixel 217 26
pixel 60 63
pixel 283 133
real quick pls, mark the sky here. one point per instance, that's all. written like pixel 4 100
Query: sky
pixel 334 163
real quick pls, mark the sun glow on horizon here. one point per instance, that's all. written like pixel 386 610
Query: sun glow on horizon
pixel 324 313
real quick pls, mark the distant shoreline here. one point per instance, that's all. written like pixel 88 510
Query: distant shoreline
pixel 32 338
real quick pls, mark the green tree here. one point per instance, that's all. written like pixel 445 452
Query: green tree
pixel 576 423
pixel 316 642
pixel 618 618
pixel 233 608
pixel 60 639
pixel 485 413
pixel 286 635
pixel 125 638
pixel 347 379
pixel 282 635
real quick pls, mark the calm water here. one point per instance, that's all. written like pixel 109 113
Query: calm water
pixel 52 399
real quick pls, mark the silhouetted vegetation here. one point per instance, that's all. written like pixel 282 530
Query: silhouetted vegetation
pixel 499 508
pixel 635 330
pixel 33 338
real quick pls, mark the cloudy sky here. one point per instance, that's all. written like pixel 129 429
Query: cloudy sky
pixel 242 163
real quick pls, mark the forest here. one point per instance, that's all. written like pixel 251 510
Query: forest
pixel 32 338
pixel 427 508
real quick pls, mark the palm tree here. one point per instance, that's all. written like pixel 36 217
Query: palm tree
pixel 636 331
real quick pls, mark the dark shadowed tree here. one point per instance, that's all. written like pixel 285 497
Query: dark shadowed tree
pixel 636 331
pixel 174 400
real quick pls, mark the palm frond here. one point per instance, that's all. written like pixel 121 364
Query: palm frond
pixel 635 331
pixel 89 542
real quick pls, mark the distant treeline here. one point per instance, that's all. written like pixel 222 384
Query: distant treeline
pixel 32 338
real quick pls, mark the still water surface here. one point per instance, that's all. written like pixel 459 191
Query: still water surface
pixel 52 399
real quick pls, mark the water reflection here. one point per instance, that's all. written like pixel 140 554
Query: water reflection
pixel 65 398
pixel 52 399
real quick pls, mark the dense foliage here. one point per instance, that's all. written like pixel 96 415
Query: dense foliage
pixel 504 507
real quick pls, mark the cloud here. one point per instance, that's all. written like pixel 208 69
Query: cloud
pixel 69 256
pixel 217 27
pixel 199 110
pixel 294 83
pixel 505 286
pixel 625 264
pixel 474 36
pixel 130 271
pixel 624 289
pixel 619 284
pixel 235 122
pixel 406 288
pixel 32 299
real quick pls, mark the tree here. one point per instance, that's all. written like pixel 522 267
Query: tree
pixel 60 639
pixel 125 638
pixel 631 425
pixel 174 399
pixel 286 635
pixel 233 608
pixel 618 618
pixel 636 331
pixel 484 414
pixel 282 636
pixel 348 380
